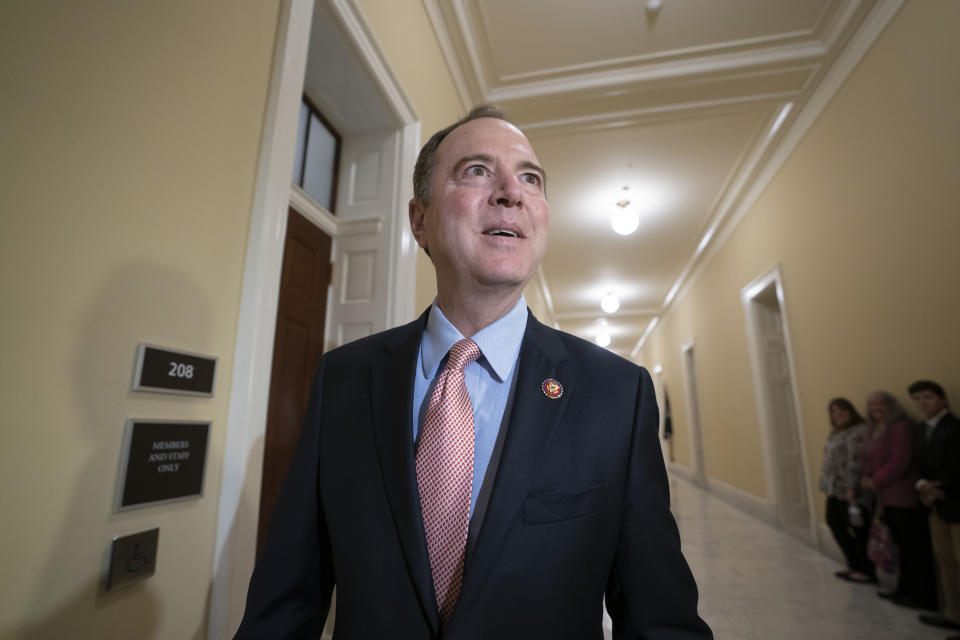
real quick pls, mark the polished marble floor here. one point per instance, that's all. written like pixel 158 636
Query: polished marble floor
pixel 758 583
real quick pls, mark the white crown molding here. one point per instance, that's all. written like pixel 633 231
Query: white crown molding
pixel 650 115
pixel 472 47
pixel 699 53
pixel 870 29
pixel 836 28
pixel 814 42
pixel 654 321
pixel 449 53
pixel 707 65
pixel 359 34
pixel 620 314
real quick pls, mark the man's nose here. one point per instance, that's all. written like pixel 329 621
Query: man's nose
pixel 508 192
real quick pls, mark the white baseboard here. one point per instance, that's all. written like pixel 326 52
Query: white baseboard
pixel 827 545
pixel 755 506
pixel 679 470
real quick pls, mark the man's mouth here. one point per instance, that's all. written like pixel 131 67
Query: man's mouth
pixel 503 233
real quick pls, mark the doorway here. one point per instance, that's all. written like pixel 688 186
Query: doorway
pixel 693 412
pixel 298 344
pixel 373 248
pixel 775 389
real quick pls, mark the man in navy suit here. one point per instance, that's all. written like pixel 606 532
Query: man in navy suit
pixel 936 459
pixel 564 501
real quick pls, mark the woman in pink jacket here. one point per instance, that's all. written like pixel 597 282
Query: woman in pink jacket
pixel 887 472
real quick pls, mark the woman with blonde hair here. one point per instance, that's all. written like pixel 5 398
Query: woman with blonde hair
pixel 887 472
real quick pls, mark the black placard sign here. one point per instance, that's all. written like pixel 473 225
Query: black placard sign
pixel 163 460
pixel 173 371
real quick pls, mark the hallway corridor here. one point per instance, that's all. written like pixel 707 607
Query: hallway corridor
pixel 758 583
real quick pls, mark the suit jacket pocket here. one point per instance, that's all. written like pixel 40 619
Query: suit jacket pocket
pixel 564 505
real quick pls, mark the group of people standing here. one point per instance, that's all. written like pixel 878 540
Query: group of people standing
pixel 887 471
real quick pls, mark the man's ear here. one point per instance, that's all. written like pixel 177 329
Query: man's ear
pixel 416 212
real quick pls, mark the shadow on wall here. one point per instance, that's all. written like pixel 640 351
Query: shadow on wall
pixel 136 302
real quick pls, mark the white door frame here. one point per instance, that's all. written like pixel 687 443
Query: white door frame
pixel 773 277
pixel 692 402
pixel 661 407
pixel 246 421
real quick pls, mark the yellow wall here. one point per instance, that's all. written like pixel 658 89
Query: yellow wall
pixel 864 219
pixel 537 302
pixel 128 153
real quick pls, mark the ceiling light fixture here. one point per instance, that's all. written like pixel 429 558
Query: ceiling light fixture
pixel 625 221
pixel 610 303
pixel 603 339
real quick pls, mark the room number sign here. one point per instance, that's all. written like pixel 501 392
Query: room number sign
pixel 173 371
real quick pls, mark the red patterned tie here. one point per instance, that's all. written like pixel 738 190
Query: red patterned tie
pixel 445 475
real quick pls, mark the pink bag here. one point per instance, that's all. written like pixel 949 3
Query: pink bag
pixel 881 548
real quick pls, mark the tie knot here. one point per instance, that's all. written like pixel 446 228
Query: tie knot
pixel 463 353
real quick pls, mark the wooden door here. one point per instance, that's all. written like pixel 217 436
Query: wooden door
pixel 297 347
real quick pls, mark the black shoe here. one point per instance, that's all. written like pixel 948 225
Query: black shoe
pixel 888 595
pixel 937 620
pixel 910 603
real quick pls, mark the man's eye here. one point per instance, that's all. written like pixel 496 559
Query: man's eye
pixel 532 178
pixel 477 170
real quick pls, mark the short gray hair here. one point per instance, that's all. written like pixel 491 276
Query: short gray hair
pixel 895 412
pixel 423 170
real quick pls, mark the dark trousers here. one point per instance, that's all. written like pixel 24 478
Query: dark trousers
pixel 851 540
pixel 911 533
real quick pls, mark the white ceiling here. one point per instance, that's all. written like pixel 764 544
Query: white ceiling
pixel 691 107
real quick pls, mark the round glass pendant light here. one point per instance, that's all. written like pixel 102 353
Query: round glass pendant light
pixel 625 221
pixel 610 303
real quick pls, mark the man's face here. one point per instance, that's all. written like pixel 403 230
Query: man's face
pixel 929 403
pixel 486 223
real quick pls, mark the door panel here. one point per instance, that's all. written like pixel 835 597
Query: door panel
pixel 788 462
pixel 297 347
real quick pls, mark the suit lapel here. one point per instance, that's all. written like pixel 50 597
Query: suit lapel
pixel 936 448
pixel 533 420
pixel 392 386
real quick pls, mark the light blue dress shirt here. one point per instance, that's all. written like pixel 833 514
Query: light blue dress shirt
pixel 487 379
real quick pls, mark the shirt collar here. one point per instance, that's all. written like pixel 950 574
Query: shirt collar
pixel 499 341
pixel 935 420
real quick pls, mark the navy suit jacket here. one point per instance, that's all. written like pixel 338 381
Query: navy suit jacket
pixel 939 459
pixel 579 509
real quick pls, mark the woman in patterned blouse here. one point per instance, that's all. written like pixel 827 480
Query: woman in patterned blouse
pixel 848 506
